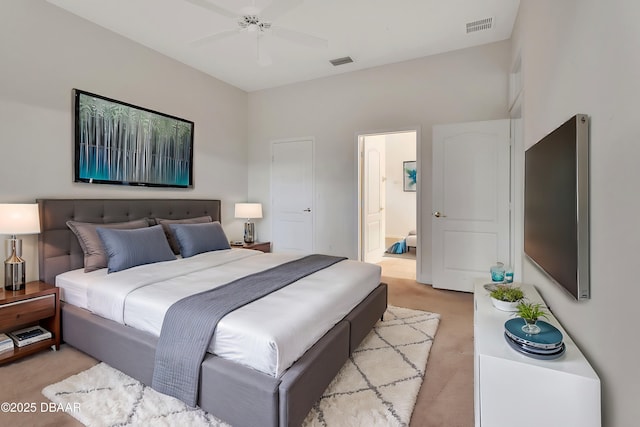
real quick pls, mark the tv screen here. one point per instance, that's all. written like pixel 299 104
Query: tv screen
pixel 120 143
pixel 556 205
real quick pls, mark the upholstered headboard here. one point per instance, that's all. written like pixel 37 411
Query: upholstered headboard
pixel 58 247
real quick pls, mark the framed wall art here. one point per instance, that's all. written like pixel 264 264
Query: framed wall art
pixel 120 143
pixel 409 178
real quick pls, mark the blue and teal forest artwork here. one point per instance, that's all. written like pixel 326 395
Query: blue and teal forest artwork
pixel 410 176
pixel 118 143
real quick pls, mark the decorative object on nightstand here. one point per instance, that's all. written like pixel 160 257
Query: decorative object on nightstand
pixel 16 219
pixel 249 211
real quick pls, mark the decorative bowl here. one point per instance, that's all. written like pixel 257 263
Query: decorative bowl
pixel 505 305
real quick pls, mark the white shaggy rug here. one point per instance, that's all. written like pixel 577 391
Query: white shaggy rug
pixel 377 386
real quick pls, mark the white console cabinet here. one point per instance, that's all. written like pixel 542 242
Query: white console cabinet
pixel 514 390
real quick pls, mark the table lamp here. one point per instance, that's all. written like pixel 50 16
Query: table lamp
pixel 16 219
pixel 249 211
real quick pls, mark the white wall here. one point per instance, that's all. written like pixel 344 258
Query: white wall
pixel 400 207
pixel 45 52
pixel 581 56
pixel 461 86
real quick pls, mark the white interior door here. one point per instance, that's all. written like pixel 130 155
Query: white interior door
pixel 373 238
pixel 470 201
pixel 292 196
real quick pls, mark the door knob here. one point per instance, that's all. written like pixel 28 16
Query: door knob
pixel 307 210
pixel 438 215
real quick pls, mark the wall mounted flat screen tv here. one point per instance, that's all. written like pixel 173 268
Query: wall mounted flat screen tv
pixel 120 143
pixel 556 205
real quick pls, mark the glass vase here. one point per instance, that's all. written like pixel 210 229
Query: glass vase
pixel 508 275
pixel 497 272
pixel 530 327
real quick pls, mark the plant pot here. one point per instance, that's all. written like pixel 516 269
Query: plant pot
pixel 505 305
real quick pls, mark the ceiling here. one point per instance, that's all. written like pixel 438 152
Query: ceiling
pixel 371 32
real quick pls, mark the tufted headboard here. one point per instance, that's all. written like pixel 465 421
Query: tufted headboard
pixel 58 247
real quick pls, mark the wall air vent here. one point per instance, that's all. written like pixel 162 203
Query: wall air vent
pixel 341 61
pixel 482 24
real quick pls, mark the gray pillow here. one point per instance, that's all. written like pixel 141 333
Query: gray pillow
pixel 197 238
pixel 170 237
pixel 129 248
pixel 94 255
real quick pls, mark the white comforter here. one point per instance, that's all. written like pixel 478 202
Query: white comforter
pixel 268 334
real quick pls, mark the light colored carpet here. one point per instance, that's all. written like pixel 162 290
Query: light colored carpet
pixel 398 268
pixel 446 395
pixel 365 392
pixel 406 255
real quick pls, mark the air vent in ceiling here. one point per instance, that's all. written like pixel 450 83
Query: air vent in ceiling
pixel 482 24
pixel 341 61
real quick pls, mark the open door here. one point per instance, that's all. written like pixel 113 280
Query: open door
pixel 373 191
pixel 470 202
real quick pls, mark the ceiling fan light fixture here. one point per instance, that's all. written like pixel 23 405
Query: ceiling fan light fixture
pixel 253 23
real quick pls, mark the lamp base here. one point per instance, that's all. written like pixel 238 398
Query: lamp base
pixel 14 274
pixel 249 232
pixel 14 267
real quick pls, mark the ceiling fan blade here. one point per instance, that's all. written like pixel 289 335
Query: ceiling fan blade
pixel 217 9
pixel 214 37
pixel 277 8
pixel 298 37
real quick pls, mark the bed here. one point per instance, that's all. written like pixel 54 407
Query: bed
pixel 243 395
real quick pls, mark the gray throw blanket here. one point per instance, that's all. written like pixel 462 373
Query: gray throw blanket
pixel 189 324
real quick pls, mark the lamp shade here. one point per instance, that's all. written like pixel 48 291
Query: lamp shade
pixel 248 210
pixel 19 219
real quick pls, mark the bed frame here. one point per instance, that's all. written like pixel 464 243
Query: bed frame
pixel 232 392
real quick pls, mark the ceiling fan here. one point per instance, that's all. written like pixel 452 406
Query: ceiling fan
pixel 251 19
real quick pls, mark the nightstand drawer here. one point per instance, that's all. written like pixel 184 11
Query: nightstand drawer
pixel 26 311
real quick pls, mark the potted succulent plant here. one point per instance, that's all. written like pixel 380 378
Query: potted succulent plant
pixel 530 313
pixel 506 297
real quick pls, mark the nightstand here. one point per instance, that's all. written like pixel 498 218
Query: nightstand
pixel 37 304
pixel 258 246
